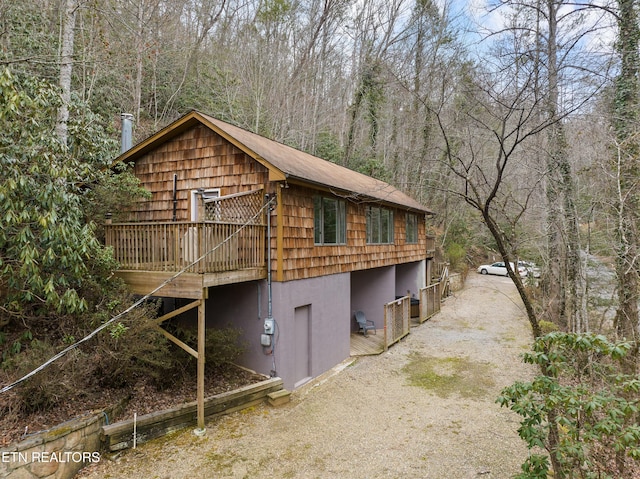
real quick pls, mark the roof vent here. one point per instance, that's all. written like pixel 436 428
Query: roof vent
pixel 126 125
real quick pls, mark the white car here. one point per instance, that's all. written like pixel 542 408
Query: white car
pixel 500 269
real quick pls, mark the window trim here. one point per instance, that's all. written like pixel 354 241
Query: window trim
pixel 206 193
pixel 319 222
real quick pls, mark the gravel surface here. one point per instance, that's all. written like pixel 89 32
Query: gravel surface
pixel 424 409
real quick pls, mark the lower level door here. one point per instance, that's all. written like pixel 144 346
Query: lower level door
pixel 302 325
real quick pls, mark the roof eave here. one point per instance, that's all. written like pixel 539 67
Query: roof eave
pixel 347 193
pixel 184 123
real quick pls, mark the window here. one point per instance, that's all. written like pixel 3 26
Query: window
pixel 379 225
pixel 412 228
pixel 330 221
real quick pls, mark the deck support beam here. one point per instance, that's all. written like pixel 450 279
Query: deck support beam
pixel 201 359
pixel 158 321
pixel 199 354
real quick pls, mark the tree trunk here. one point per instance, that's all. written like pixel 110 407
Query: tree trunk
pixel 567 296
pixel 625 118
pixel 66 67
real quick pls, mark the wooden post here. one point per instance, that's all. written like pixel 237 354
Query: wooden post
pixel 279 236
pixel 201 360
pixel 386 318
pixel 200 207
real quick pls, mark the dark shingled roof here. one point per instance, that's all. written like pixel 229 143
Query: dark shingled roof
pixel 284 162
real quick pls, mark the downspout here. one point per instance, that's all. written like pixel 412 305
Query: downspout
pixel 175 197
pixel 269 291
pixel 269 336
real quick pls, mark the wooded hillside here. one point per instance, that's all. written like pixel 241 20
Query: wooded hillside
pixel 515 121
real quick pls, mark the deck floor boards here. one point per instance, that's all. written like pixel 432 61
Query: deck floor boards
pixel 370 345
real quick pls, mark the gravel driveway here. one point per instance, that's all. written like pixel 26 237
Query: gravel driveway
pixel 424 409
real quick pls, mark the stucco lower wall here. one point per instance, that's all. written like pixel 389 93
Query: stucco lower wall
pixel 371 289
pixel 243 306
pixel 326 302
pixel 411 277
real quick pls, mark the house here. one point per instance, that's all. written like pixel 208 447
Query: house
pixel 297 241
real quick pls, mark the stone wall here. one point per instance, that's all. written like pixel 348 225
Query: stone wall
pixel 58 453
pixel 457 281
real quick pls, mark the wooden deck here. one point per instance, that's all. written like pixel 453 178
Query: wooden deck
pixel 207 253
pixel 197 247
pixel 373 344
pixel 188 285
pixel 370 345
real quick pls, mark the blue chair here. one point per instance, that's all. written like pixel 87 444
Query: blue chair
pixel 365 324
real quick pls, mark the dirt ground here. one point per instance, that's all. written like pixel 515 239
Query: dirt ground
pixel 424 409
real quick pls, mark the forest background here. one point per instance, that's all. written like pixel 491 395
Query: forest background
pixel 514 120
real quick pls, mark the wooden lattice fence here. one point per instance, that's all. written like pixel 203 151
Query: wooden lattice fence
pixel 236 209
pixel 397 316
pixel 429 301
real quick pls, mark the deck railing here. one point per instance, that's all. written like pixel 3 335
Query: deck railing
pixel 429 301
pixel 442 270
pixel 397 315
pixel 172 246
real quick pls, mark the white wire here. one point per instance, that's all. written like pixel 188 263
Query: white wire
pixel 132 307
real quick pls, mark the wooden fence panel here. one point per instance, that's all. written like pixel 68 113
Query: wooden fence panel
pixel 429 301
pixel 397 316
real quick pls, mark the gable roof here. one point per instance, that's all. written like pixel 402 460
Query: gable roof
pixel 284 163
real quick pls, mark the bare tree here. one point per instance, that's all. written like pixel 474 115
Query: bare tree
pixel 550 36
pixel 626 166
pixel 66 66
pixel 483 147
pixel 563 226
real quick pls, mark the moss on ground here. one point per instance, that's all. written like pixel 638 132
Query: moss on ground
pixel 447 376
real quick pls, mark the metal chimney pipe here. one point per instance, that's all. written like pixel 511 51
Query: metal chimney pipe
pixel 126 126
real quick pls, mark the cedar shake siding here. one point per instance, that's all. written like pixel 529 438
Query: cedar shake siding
pixel 302 258
pixel 202 159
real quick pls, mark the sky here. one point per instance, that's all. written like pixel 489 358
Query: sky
pixel 477 16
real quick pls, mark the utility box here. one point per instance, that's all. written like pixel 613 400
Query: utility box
pixel 269 326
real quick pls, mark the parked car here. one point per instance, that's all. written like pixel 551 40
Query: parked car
pixel 500 269
pixel 532 269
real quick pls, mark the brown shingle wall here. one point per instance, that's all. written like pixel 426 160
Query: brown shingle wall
pixel 303 259
pixel 201 159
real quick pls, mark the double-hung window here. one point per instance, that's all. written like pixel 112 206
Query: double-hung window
pixel 412 228
pixel 330 220
pixel 379 225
